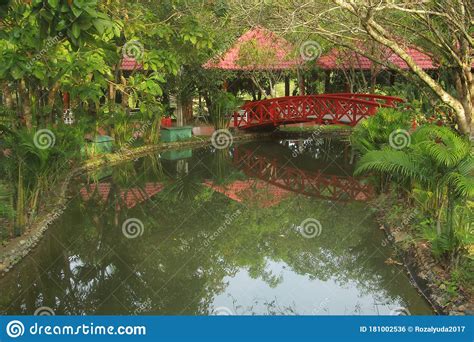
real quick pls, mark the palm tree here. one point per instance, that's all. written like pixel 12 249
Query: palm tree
pixel 438 161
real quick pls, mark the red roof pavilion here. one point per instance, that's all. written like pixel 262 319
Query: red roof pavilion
pixel 284 52
pixel 345 59
pixel 130 64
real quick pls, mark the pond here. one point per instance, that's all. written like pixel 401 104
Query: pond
pixel 277 227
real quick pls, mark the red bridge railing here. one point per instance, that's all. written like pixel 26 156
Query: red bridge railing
pixel 343 108
pixel 315 184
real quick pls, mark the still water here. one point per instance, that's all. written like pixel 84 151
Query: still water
pixel 278 227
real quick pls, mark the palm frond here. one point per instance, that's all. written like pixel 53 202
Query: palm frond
pixel 389 161
pixel 442 145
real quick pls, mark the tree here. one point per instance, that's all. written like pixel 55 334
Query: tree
pixel 441 29
pixel 43 47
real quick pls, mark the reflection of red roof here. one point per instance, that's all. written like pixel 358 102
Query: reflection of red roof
pixel 264 194
pixel 131 197
pixel 130 64
pixel 265 39
pixel 345 59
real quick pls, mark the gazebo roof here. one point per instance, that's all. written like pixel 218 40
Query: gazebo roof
pixel 283 52
pixel 345 59
pixel 130 64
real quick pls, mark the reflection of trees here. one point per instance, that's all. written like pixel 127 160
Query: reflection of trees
pixel 90 267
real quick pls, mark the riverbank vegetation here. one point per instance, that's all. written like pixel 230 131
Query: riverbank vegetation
pixel 429 174
pixel 82 78
pixel 66 96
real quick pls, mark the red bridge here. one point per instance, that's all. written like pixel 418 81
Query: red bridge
pixel 340 108
pixel 314 184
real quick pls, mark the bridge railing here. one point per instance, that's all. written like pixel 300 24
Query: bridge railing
pixel 386 101
pixel 336 108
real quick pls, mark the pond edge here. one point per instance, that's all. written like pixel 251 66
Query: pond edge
pixel 18 248
pixel 420 266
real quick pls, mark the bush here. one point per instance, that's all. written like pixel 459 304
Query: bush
pixel 374 133
pixel 223 107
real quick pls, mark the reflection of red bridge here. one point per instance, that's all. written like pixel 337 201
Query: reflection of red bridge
pixel 308 183
pixel 344 108
pixel 249 191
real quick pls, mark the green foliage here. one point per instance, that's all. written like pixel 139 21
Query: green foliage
pixel 374 133
pixel 78 19
pixel 223 107
pixel 32 172
pixel 423 102
pixel 252 54
pixel 7 210
pixel 438 167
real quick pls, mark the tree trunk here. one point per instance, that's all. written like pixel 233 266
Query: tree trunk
pixel 25 101
pixel 380 35
pixel 6 95
pixel 301 84
pixel 51 101
pixel 124 94
pixel 188 110
pixel 287 86
pixel 447 98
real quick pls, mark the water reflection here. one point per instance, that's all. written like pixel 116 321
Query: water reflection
pixel 219 232
pixel 315 183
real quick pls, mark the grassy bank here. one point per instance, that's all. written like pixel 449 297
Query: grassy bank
pixel 449 288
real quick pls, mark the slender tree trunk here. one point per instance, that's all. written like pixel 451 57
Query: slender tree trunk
pixel 188 110
pixel 51 101
pixel 124 94
pixel 6 95
pixel 25 101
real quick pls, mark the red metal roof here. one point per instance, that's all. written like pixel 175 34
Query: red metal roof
pixel 131 197
pixel 130 64
pixel 345 59
pixel 265 39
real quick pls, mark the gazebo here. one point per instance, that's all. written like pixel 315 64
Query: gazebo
pixel 345 60
pixel 338 59
pixel 130 64
pixel 262 40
